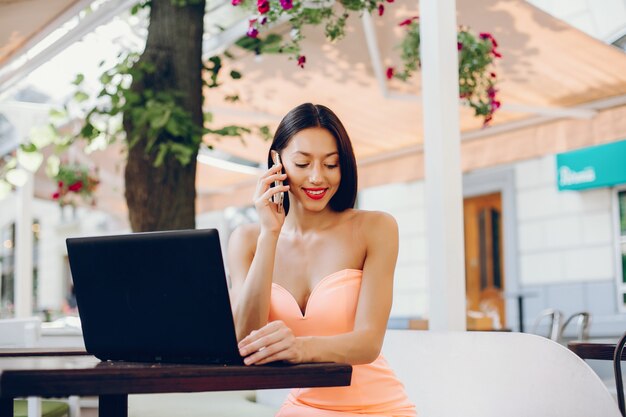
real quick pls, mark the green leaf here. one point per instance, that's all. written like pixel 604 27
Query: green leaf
pixel 79 79
pixel 208 117
pixel 80 96
pixel 160 120
pixel 29 159
pixel 158 161
pixel 235 75
pixel 52 166
pixel 17 177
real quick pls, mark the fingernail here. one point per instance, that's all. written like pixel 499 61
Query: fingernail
pixel 247 361
pixel 242 352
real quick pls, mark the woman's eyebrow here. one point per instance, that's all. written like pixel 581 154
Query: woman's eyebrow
pixel 309 154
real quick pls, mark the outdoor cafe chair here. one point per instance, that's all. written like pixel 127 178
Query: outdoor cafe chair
pixel 555 317
pixel 494 374
pixel 583 325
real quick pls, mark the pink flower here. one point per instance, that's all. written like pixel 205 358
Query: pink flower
pixel 286 4
pixel 252 32
pixel 407 22
pixel 56 196
pixel 459 46
pixel 381 9
pixel 301 61
pixel 495 105
pixel 390 71
pixel 236 2
pixel 76 187
pixel 485 35
pixel 491 92
pixel 263 20
pixel 263 6
pixel 60 184
pixel 389 1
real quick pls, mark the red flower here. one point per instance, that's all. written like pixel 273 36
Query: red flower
pixel 496 53
pixel 76 187
pixel 389 1
pixel 56 195
pixel 381 9
pixel 495 105
pixel 252 32
pixel 263 6
pixel 236 2
pixel 459 46
pixel 407 22
pixel 301 61
pixel 390 71
pixel 491 92
pixel 60 184
pixel 492 74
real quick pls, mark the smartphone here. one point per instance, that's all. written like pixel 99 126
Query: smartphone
pixel 278 197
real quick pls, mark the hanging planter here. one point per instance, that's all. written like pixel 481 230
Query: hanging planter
pixel 477 53
pixel 75 182
pixel 477 76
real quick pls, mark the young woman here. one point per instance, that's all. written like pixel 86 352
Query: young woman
pixel 313 282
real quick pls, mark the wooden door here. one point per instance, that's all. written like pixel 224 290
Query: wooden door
pixel 484 271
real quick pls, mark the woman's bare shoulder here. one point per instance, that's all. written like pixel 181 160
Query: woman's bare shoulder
pixel 243 239
pixel 370 221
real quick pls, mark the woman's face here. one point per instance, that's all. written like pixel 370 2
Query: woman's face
pixel 311 161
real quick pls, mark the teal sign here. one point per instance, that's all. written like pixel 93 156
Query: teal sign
pixel 594 167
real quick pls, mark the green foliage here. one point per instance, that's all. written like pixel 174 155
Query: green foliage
pixel 477 78
pixel 74 181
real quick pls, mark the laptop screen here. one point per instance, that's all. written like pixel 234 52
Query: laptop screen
pixel 158 296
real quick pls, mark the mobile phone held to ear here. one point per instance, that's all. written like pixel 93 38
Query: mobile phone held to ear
pixel 278 197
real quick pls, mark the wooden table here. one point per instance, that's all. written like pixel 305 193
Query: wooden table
pixel 62 376
pixel 602 349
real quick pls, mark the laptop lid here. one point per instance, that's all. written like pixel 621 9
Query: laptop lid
pixel 157 296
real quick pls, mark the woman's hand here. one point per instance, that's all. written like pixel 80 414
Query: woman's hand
pixel 272 342
pixel 269 217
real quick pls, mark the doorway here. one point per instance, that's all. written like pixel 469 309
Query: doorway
pixel 484 269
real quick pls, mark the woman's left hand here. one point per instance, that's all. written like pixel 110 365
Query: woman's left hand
pixel 272 342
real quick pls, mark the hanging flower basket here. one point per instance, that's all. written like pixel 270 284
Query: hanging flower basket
pixel 75 182
pixel 477 53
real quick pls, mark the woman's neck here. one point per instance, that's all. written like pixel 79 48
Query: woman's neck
pixel 302 222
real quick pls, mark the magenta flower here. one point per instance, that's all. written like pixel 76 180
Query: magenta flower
pixel 389 1
pixel 381 9
pixel 390 71
pixel 301 61
pixel 286 4
pixel 263 20
pixel 252 32
pixel 407 22
pixel 236 2
pixel 459 46
pixel 263 6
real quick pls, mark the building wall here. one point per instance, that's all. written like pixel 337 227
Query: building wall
pixel 565 248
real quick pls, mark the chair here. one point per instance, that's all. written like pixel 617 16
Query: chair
pixel 617 367
pixel 25 333
pixel 491 374
pixel 555 316
pixel 583 325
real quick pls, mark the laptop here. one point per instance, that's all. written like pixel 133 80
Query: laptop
pixel 154 297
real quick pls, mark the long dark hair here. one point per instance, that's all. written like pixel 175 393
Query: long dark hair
pixel 310 115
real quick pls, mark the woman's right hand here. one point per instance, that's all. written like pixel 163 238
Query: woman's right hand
pixel 270 218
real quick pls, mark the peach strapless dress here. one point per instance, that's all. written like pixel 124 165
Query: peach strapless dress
pixel 330 310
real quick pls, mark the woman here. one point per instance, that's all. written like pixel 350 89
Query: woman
pixel 313 282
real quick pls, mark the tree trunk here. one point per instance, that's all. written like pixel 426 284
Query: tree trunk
pixel 163 198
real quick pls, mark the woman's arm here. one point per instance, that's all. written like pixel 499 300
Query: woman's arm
pixel 251 253
pixel 363 344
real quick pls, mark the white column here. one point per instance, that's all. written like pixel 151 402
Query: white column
pixel 443 177
pixel 24 250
